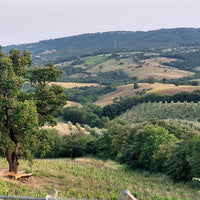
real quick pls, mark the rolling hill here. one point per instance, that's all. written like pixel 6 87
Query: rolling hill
pixel 145 88
pixel 61 49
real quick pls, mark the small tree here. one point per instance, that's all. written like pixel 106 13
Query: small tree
pixel 150 80
pixel 21 114
pixel 135 85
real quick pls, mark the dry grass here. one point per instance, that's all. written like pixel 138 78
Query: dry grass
pixel 61 128
pixel 127 90
pixel 170 89
pixel 157 71
pixel 151 67
pixel 71 103
pixel 122 91
pixel 72 85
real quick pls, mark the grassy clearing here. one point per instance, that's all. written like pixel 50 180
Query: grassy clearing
pixel 170 89
pixel 95 60
pixel 157 71
pixel 110 65
pixel 93 179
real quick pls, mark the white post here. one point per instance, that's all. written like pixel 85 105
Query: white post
pixel 125 194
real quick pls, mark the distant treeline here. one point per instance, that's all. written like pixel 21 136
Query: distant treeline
pixel 62 48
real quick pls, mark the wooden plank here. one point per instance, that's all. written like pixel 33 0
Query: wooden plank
pixel 21 175
pixel 18 176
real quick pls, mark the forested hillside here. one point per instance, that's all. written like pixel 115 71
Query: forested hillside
pixel 62 49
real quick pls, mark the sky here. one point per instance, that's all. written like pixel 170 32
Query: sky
pixel 27 21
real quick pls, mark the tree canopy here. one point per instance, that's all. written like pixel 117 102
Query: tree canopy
pixel 21 114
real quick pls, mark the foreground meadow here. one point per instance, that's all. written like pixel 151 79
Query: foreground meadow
pixel 88 178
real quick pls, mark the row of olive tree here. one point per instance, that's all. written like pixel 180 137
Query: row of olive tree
pixel 117 108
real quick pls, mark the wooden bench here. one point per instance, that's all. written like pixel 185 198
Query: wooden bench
pixel 21 176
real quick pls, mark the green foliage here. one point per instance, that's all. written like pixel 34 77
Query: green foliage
pixel 186 60
pixel 150 80
pixel 126 103
pixel 110 143
pixel 90 115
pixel 49 101
pixel 155 146
pixel 119 107
pixel 21 114
pixel 176 111
pixel 62 49
pixel 51 145
pixel 135 85
pixel 74 114
pixel 85 95
pixel 25 119
pixel 42 75
pixel 95 60
pixel 85 178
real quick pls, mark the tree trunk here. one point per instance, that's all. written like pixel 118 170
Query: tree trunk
pixel 12 158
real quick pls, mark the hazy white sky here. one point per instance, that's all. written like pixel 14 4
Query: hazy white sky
pixel 25 21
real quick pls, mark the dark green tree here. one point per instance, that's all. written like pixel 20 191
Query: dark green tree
pixel 22 114
pixel 150 80
pixel 135 85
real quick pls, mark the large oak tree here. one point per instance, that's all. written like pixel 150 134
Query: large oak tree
pixel 21 114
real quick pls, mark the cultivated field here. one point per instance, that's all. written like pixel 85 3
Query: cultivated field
pixel 127 90
pixel 87 178
pixel 189 112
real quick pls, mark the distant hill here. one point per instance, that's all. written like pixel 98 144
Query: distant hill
pixel 61 49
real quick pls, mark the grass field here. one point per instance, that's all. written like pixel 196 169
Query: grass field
pixel 151 67
pixel 88 178
pixel 127 90
pixel 95 60
pixel 141 69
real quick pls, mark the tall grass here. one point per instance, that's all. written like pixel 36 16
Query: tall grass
pixel 93 179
